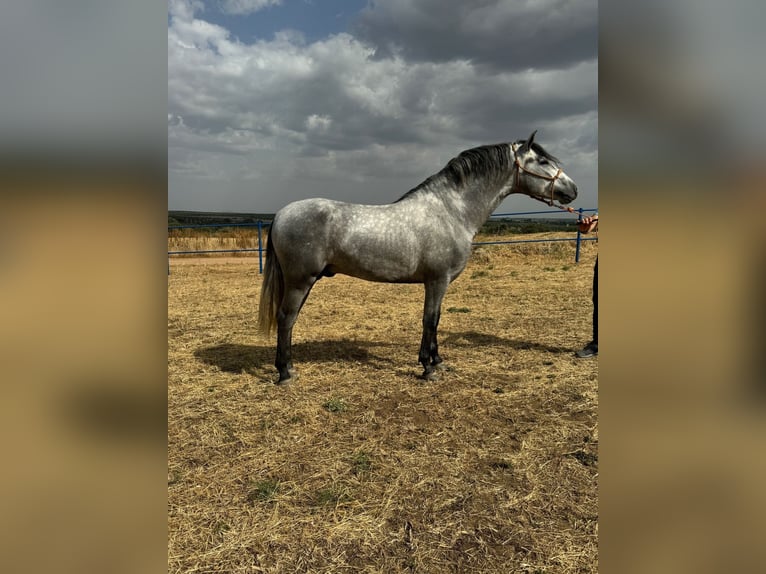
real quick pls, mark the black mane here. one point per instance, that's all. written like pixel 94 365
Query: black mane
pixel 481 161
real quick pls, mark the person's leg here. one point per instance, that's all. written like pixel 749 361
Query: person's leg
pixel 591 349
pixel 595 303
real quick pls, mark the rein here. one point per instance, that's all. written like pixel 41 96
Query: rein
pixel 520 168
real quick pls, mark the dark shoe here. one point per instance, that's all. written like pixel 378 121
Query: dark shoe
pixel 589 350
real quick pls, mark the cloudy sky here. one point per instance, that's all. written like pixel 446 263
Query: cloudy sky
pixel 270 101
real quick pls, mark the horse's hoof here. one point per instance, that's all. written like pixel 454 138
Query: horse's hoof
pixel 287 380
pixel 429 376
pixel 441 366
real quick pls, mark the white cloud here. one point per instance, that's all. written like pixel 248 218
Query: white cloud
pixel 184 9
pixel 241 7
pixel 318 123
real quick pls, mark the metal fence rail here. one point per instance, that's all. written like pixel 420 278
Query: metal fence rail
pixel 261 225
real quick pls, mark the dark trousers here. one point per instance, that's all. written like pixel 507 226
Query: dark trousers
pixel 595 301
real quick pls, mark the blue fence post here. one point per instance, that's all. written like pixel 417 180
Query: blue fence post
pixel 260 247
pixel 577 249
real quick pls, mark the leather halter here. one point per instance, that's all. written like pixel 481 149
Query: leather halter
pixel 520 168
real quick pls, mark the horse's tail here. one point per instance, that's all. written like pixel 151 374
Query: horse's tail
pixel 272 290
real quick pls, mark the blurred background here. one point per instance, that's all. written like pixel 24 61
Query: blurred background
pixel 82 286
pixel 83 167
pixel 682 394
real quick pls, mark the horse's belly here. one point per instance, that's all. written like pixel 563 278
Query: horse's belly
pixel 380 265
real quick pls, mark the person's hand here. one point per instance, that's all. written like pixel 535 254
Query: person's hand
pixel 588 223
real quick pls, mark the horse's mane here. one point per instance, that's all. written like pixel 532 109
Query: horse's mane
pixel 481 161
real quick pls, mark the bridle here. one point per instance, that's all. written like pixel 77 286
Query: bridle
pixel 520 168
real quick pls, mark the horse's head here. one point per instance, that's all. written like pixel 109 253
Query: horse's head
pixel 537 174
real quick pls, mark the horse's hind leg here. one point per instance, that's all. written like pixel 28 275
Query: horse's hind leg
pixel 292 302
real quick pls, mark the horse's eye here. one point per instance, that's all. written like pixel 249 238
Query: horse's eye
pixel 543 161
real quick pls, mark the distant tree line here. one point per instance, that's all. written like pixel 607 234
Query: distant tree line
pixel 511 226
pixel 491 227
pixel 205 218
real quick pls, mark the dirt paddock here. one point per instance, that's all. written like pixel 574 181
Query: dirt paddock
pixel 360 466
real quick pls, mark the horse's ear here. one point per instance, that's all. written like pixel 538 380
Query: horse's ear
pixel 527 143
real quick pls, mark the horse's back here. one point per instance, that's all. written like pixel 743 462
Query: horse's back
pixel 304 208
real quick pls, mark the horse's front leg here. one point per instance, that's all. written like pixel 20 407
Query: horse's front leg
pixel 292 302
pixel 429 347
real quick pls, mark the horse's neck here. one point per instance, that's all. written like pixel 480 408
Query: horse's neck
pixel 471 204
pixel 478 200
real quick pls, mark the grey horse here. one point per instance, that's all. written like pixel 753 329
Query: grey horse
pixel 423 237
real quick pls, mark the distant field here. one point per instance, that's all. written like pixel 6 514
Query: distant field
pixel 360 466
pixel 216 239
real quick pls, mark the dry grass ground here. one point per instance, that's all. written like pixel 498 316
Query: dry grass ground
pixel 360 466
